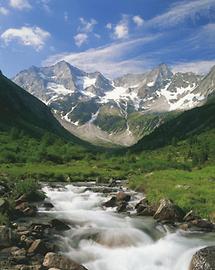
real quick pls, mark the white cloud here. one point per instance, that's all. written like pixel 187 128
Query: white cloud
pixel 109 26
pixel 28 36
pixel 80 39
pixel 20 4
pixel 111 59
pixel 204 36
pixel 87 26
pixel 4 11
pixel 182 11
pixel 84 29
pixel 199 67
pixel 121 30
pixel 138 20
pixel 45 5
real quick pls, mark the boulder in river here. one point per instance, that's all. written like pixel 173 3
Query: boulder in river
pixel 59 225
pixel 111 203
pixel 48 205
pixel 144 209
pixel 54 260
pixel 202 224
pixel 168 211
pixel 122 196
pixel 122 207
pixel 203 259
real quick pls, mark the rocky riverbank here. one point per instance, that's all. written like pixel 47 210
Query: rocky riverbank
pixel 30 240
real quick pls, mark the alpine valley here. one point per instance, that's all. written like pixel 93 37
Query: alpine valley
pixel 119 111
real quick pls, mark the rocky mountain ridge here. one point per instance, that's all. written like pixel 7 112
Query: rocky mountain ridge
pixel 121 110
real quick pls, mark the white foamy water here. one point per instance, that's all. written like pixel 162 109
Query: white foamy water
pixel 104 240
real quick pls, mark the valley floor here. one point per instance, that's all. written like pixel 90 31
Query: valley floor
pixel 192 189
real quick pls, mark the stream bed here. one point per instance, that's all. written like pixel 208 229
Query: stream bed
pixel 102 239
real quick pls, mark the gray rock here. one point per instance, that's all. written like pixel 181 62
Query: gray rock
pixel 53 260
pixel 59 225
pixel 168 211
pixel 204 259
pixel 111 203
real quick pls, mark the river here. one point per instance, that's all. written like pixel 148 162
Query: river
pixel 102 239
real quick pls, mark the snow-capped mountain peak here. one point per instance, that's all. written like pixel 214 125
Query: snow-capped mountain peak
pixel 82 98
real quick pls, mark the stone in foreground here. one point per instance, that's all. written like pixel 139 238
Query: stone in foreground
pixel 204 259
pixel 54 260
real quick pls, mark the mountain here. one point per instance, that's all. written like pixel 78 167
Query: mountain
pixel 119 111
pixel 189 123
pixel 19 109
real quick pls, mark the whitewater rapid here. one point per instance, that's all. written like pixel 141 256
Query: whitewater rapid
pixel 102 239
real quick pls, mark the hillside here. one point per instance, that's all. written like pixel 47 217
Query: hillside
pixel 189 123
pixel 21 110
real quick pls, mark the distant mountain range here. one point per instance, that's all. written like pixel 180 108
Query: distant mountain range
pixel 119 111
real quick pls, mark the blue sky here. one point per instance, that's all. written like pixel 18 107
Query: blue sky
pixel 112 36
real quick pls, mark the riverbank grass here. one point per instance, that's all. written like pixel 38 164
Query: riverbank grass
pixel 190 190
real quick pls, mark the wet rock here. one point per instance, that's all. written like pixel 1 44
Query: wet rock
pixel 203 259
pixel 6 237
pixel 122 207
pixel 48 205
pixel 29 267
pixel 26 210
pixel 59 225
pixel 53 260
pixel 30 211
pixel 37 247
pixel 167 210
pixel 112 183
pixel 184 226
pixel 147 211
pixel 143 202
pixel 18 255
pixel 144 209
pixel 122 196
pixel 202 224
pixel 111 203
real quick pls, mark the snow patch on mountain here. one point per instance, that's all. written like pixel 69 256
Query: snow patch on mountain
pixel 85 82
pixel 59 89
pixel 181 98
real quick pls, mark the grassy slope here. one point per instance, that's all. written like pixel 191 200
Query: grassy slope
pixel 190 190
pixel 189 123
